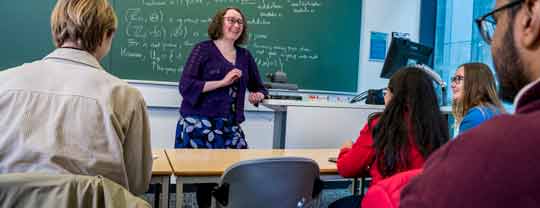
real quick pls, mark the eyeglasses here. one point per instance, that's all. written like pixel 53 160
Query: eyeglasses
pixel 486 23
pixel 232 20
pixel 457 79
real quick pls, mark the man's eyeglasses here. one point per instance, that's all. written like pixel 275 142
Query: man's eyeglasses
pixel 457 79
pixel 486 23
pixel 232 20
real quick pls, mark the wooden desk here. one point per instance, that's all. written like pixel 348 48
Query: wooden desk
pixel 161 173
pixel 207 165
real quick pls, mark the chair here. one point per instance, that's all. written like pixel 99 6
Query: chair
pixel 269 183
pixel 29 190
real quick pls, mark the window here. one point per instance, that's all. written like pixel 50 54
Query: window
pixel 457 39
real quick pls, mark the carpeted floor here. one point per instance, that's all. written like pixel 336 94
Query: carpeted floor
pixel 331 192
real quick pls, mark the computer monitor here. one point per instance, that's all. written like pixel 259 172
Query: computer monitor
pixel 404 52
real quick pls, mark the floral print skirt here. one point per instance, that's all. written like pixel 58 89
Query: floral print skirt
pixel 209 133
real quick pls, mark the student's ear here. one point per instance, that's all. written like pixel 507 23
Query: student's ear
pixel 530 24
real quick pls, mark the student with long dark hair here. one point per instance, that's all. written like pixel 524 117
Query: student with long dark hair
pixel 400 138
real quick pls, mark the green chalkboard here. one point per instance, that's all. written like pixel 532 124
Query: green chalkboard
pixel 316 42
pixel 25 31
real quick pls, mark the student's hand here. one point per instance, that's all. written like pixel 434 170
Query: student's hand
pixel 231 77
pixel 347 144
pixel 255 98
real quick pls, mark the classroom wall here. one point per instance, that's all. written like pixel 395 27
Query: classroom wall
pixel 306 127
pixel 384 16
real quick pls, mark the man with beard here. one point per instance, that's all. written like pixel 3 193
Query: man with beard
pixel 498 163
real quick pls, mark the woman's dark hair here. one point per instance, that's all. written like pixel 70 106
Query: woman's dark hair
pixel 413 109
pixel 215 29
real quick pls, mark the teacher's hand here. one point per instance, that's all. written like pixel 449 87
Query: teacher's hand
pixel 231 77
pixel 255 97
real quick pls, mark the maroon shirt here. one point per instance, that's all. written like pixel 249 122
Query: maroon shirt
pixel 206 63
pixel 494 165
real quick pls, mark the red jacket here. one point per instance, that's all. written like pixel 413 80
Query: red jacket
pixel 386 193
pixel 356 161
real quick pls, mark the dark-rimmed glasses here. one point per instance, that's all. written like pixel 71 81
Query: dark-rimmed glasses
pixel 232 20
pixel 486 23
pixel 457 79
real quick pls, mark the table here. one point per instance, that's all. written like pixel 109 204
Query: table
pixel 161 174
pixel 281 107
pixel 207 165
pixel 280 114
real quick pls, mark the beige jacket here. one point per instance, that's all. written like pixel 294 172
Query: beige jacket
pixel 65 114
pixel 31 190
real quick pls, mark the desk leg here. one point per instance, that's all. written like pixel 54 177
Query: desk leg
pixel 181 181
pixel 165 181
pixel 280 129
pixel 354 186
pixel 179 193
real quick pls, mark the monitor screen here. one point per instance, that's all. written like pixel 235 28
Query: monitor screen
pixel 404 52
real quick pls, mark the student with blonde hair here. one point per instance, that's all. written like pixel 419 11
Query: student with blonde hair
pixel 65 114
pixel 475 96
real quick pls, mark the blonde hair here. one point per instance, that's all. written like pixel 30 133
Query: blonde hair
pixel 82 21
pixel 479 89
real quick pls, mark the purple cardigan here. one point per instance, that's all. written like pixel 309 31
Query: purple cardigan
pixel 206 63
pixel 496 164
